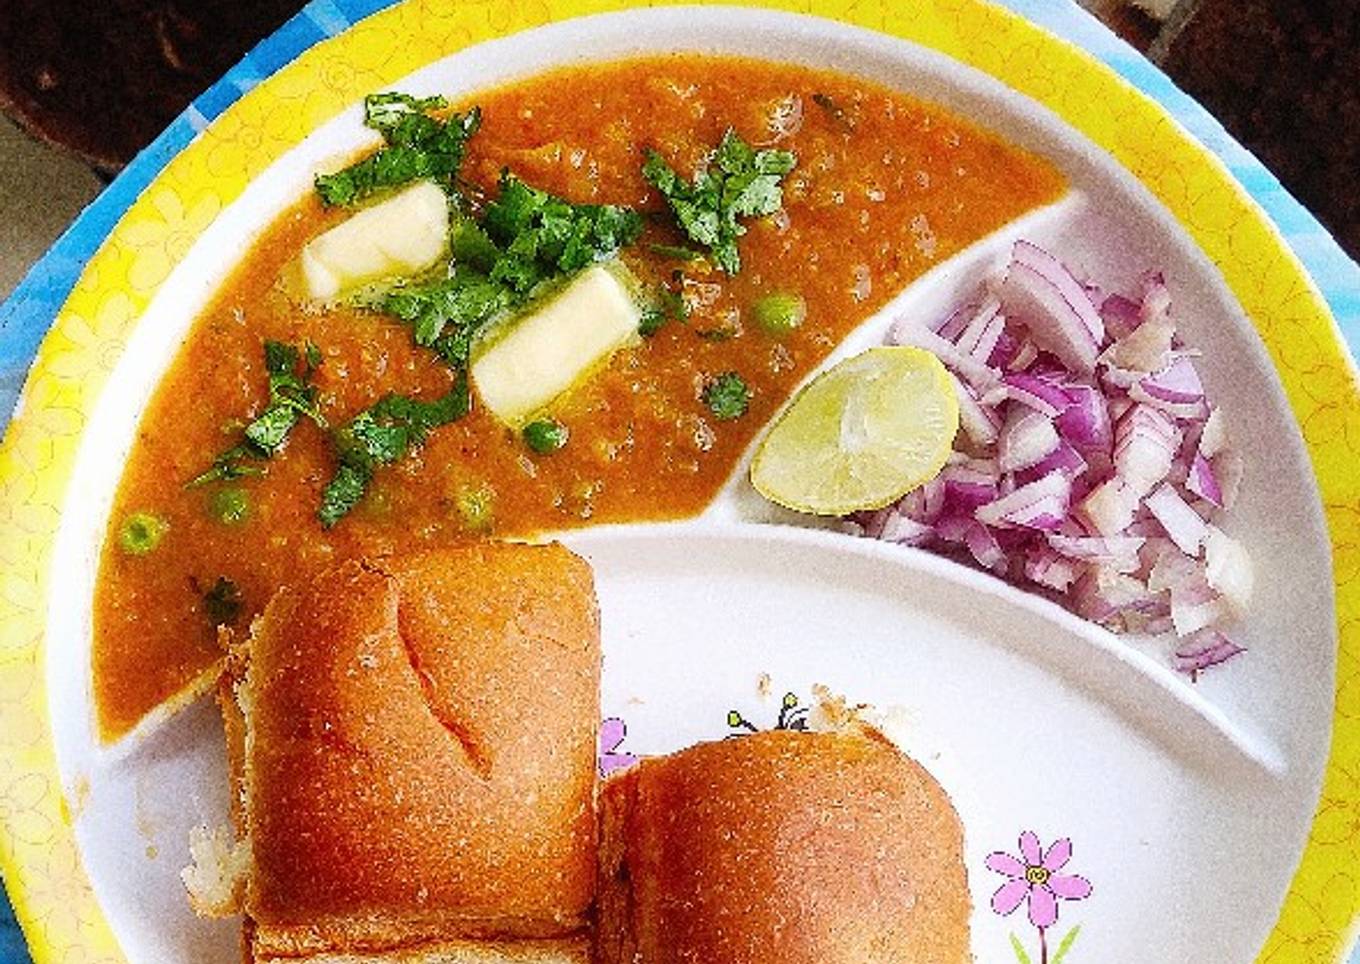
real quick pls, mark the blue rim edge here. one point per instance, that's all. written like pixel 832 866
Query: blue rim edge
pixel 29 311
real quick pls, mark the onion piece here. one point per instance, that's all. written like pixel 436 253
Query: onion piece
pixel 1213 438
pixel 1146 349
pixel 1105 596
pixel 1025 356
pixel 1076 294
pixel 1145 446
pixel 1026 439
pixel 1121 315
pixel 979 422
pixel 905 531
pixel 1041 394
pixel 1041 504
pixel 1195 606
pixel 1182 523
pixel 1050 568
pixel 1110 507
pixel 979 337
pixel 1086 423
pixel 1201 481
pixel 1175 389
pixel 1064 459
pixel 1054 322
pixel 1228 569
pixel 1119 553
pixel 1204 649
pixel 981 378
pixel 1156 303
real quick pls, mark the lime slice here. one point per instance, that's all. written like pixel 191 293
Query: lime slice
pixel 863 434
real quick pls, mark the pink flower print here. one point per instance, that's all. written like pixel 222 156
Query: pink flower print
pixel 1034 877
pixel 612 734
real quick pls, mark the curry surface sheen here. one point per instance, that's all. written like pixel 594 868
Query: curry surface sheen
pixel 885 188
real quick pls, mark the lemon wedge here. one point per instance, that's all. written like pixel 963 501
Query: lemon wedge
pixel 861 435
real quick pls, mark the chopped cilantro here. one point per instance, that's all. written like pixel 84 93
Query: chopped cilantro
pixel 727 396
pixel 380 435
pixel 527 238
pixel 418 145
pixel 291 396
pixel 446 314
pixel 540 235
pixel 668 306
pixel 222 603
pixel 676 252
pixel 737 182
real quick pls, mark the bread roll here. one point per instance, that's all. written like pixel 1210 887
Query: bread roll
pixel 781 848
pixel 419 760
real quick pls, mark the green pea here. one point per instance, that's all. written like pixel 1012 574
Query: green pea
pixel 545 435
pixel 230 506
pixel 476 507
pixel 780 313
pixel 142 532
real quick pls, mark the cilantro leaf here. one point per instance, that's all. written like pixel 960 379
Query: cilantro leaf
pixel 527 238
pixel 448 313
pixel 668 305
pixel 540 235
pixel 222 603
pixel 382 434
pixel 727 396
pixel 737 182
pixel 291 397
pixel 418 146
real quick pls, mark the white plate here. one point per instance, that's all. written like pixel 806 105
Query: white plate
pixel 1188 805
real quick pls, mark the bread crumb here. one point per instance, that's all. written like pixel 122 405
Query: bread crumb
pixel 763 685
pixel 216 877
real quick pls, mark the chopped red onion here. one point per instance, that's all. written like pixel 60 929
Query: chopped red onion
pixel 1145 446
pixel 1077 295
pixel 1201 481
pixel 1213 438
pixel 1041 504
pixel 1121 315
pixel 1089 458
pixel 905 531
pixel 1041 394
pixel 1109 508
pixel 979 422
pixel 1203 649
pixel 1228 569
pixel 1064 458
pixel 1145 349
pixel 1182 523
pixel 1027 438
pixel 1175 389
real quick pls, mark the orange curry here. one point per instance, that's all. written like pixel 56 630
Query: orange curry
pixel 885 187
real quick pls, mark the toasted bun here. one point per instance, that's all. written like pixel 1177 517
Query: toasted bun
pixel 781 848
pixel 420 753
pixel 567 951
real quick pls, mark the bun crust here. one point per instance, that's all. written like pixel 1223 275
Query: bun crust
pixel 420 753
pixel 781 848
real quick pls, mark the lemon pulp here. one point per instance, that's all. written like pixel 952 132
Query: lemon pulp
pixel 861 434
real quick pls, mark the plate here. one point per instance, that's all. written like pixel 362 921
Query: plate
pixel 1174 796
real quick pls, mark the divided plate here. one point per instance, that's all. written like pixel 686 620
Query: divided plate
pixel 1188 805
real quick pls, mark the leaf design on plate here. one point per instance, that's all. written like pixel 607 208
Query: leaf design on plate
pixel 1066 945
